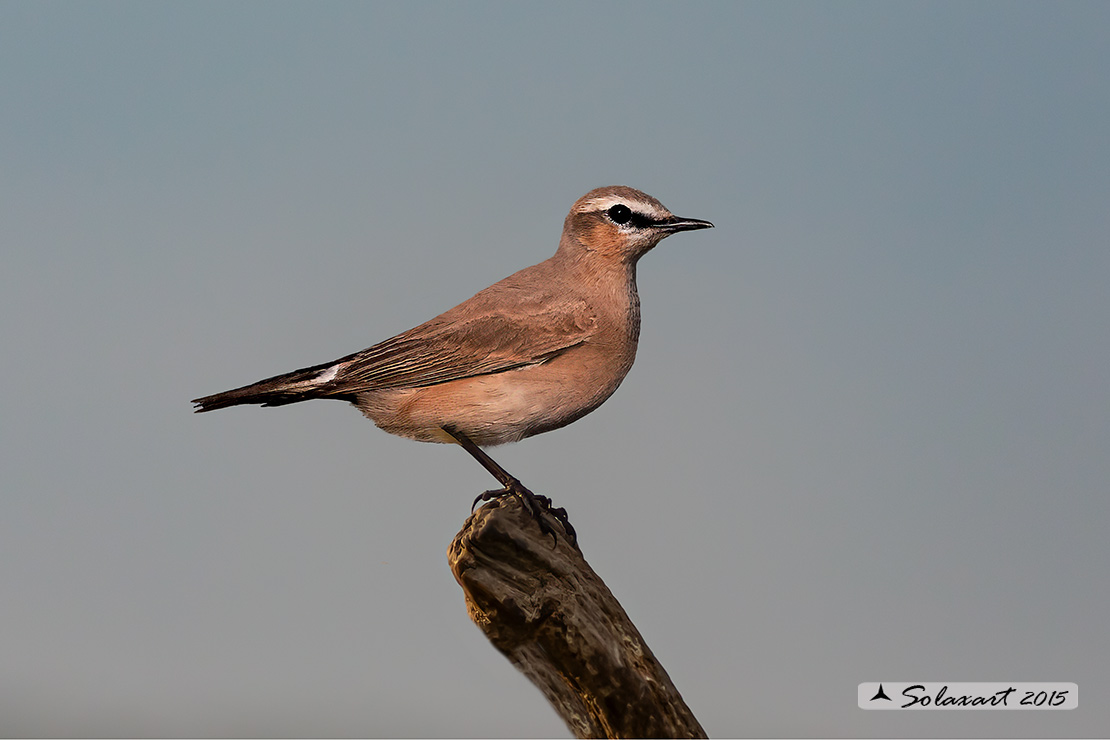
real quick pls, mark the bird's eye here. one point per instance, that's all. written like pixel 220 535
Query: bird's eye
pixel 620 213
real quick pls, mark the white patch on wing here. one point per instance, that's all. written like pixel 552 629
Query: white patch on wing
pixel 327 374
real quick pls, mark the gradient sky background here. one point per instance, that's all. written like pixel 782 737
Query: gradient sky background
pixel 867 436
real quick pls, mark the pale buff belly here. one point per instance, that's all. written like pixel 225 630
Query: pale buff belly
pixel 492 409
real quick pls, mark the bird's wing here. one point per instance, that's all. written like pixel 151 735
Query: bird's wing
pixel 450 348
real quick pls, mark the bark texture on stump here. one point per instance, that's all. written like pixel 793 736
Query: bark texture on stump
pixel 554 618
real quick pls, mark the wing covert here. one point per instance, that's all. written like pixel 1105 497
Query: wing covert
pixel 440 350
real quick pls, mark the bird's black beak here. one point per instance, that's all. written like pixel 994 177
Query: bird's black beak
pixel 683 224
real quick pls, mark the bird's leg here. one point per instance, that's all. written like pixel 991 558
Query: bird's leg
pixel 533 503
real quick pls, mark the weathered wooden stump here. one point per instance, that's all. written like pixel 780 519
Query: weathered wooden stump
pixel 556 621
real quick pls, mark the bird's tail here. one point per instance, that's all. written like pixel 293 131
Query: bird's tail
pixel 299 385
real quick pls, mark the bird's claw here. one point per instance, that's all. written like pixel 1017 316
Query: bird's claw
pixel 535 505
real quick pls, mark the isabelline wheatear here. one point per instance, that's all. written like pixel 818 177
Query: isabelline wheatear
pixel 534 352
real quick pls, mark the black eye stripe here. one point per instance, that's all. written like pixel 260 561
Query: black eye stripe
pixel 640 221
pixel 622 214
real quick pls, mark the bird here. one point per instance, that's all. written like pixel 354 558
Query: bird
pixel 531 353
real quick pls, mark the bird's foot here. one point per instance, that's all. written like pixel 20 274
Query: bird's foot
pixel 535 505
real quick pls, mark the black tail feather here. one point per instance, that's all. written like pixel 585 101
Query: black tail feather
pixel 299 385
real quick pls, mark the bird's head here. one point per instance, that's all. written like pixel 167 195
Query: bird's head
pixel 621 223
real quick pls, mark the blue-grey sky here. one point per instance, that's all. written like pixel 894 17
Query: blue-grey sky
pixel 866 437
